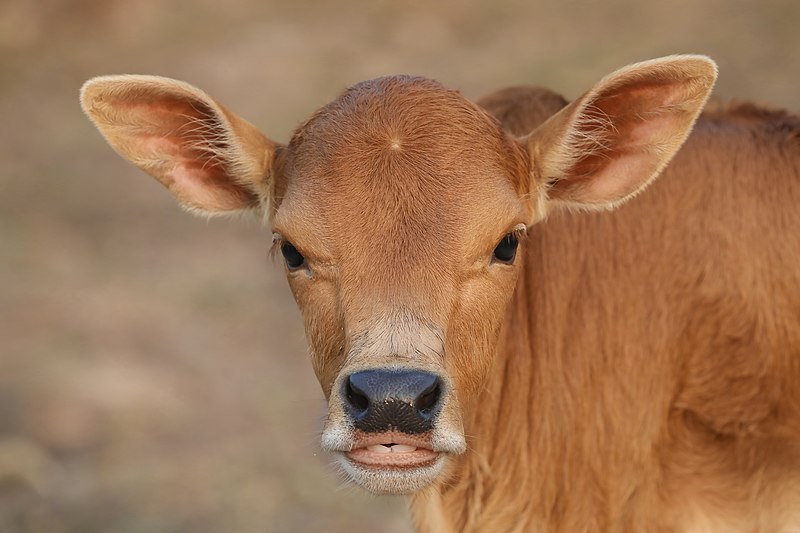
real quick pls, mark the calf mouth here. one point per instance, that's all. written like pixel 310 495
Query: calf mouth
pixel 392 450
pixel 393 462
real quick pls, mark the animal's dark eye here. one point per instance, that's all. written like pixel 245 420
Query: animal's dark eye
pixel 506 250
pixel 294 259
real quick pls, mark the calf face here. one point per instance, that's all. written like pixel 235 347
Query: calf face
pixel 400 210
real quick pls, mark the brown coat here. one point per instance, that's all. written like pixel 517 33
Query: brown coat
pixel 652 354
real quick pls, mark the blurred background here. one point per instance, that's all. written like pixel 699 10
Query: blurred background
pixel 153 371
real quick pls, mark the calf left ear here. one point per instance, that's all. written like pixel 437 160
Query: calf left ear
pixel 612 142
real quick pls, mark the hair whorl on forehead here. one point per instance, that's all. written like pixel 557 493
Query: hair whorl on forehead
pixel 397 129
pixel 394 109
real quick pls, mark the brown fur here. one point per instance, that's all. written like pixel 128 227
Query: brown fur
pixel 654 352
pixel 632 371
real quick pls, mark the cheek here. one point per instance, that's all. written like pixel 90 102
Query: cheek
pixel 474 330
pixel 324 326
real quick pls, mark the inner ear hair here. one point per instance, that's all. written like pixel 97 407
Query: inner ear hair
pixel 612 142
pixel 213 161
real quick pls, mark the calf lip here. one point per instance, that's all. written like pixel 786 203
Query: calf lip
pixel 418 458
pixel 362 439
pixel 423 455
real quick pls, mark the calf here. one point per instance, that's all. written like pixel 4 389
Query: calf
pixel 489 339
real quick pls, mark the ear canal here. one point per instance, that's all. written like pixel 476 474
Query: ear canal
pixel 608 145
pixel 211 160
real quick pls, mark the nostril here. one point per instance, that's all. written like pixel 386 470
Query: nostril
pixel 428 399
pixel 355 397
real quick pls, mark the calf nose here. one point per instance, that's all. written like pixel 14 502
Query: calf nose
pixel 387 400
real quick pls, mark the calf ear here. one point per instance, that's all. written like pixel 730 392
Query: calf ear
pixel 211 160
pixel 612 142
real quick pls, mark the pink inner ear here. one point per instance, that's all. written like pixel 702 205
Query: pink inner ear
pixel 619 178
pixel 209 188
pixel 622 136
pixel 182 144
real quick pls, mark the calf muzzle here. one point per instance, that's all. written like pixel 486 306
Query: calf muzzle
pixel 393 400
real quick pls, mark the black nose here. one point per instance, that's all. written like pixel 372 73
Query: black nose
pixel 391 400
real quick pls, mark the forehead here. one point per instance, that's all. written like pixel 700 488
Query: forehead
pixel 398 159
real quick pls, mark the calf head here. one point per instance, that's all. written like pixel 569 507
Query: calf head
pixel 400 210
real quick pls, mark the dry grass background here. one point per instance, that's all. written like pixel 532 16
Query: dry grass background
pixel 153 375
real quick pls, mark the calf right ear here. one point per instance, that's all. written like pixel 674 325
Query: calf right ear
pixel 211 160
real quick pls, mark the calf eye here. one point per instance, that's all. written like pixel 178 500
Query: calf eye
pixel 506 250
pixel 294 259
